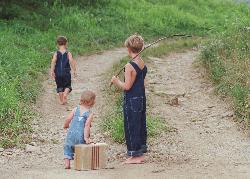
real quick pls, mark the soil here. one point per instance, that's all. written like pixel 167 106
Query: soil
pixel 204 141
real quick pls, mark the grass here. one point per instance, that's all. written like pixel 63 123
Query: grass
pixel 113 123
pixel 227 59
pixel 28 30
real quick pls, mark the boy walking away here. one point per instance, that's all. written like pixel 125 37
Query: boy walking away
pixel 61 65
pixel 134 101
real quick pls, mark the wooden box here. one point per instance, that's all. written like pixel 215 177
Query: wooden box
pixel 90 156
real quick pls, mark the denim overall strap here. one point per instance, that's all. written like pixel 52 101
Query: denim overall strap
pixel 77 112
pixel 137 69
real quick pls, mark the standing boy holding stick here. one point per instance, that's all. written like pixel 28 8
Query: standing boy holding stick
pixel 134 101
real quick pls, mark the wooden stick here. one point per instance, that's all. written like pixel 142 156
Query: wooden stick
pixel 149 45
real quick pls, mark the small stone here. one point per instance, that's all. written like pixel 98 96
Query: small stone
pixel 34 136
pixel 9 153
pixel 158 170
pixel 211 106
pixel 30 148
pixel 228 114
pixel 33 143
pixel 174 101
pixel 1 149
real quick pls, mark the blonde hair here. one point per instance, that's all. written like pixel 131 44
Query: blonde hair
pixel 87 97
pixel 135 43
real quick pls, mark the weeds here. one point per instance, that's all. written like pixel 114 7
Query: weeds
pixel 228 60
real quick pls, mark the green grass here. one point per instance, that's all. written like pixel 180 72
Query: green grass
pixel 28 30
pixel 113 123
pixel 227 59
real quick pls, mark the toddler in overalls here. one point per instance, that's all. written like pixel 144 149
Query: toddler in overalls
pixel 134 101
pixel 78 124
pixel 61 65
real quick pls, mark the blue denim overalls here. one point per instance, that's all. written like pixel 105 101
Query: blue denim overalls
pixel 135 114
pixel 62 72
pixel 75 133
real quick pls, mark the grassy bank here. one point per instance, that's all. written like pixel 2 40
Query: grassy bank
pixel 113 123
pixel 28 30
pixel 227 59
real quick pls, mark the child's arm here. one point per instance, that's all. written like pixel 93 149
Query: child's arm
pixel 87 128
pixel 129 79
pixel 69 119
pixel 53 64
pixel 72 63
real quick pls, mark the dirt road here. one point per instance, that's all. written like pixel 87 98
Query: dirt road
pixel 205 142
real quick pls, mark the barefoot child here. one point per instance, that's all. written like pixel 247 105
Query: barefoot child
pixel 134 101
pixel 78 124
pixel 61 65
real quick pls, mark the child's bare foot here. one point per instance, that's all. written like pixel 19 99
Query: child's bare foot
pixel 61 98
pixel 65 99
pixel 67 163
pixel 135 160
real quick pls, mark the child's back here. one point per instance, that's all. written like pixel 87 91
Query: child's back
pixel 75 133
pixel 61 64
pixel 138 87
pixel 78 124
pixel 62 67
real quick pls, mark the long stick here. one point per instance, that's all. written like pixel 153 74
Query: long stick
pixel 149 45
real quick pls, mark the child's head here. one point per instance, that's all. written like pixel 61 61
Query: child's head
pixel 61 41
pixel 134 43
pixel 87 98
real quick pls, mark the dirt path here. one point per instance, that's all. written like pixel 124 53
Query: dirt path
pixel 206 141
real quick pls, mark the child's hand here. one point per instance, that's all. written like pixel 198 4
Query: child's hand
pixel 65 126
pixel 114 80
pixel 88 140
pixel 75 75
pixel 52 74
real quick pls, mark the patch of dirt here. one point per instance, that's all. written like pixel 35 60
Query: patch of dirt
pixel 205 142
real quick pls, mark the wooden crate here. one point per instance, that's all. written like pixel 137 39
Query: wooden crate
pixel 90 156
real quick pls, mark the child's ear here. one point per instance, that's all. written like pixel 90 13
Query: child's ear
pixel 129 51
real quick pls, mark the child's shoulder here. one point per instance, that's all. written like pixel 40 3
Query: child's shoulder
pixel 129 65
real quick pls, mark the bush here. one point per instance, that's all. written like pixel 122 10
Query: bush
pixel 228 61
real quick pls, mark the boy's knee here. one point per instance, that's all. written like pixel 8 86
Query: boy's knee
pixel 60 90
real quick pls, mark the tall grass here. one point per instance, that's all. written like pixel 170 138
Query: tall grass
pixel 227 58
pixel 28 30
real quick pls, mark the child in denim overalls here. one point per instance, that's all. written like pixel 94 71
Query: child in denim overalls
pixel 134 101
pixel 78 124
pixel 61 64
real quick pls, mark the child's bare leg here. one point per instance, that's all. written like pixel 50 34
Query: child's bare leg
pixel 65 95
pixel 67 163
pixel 135 160
pixel 61 97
